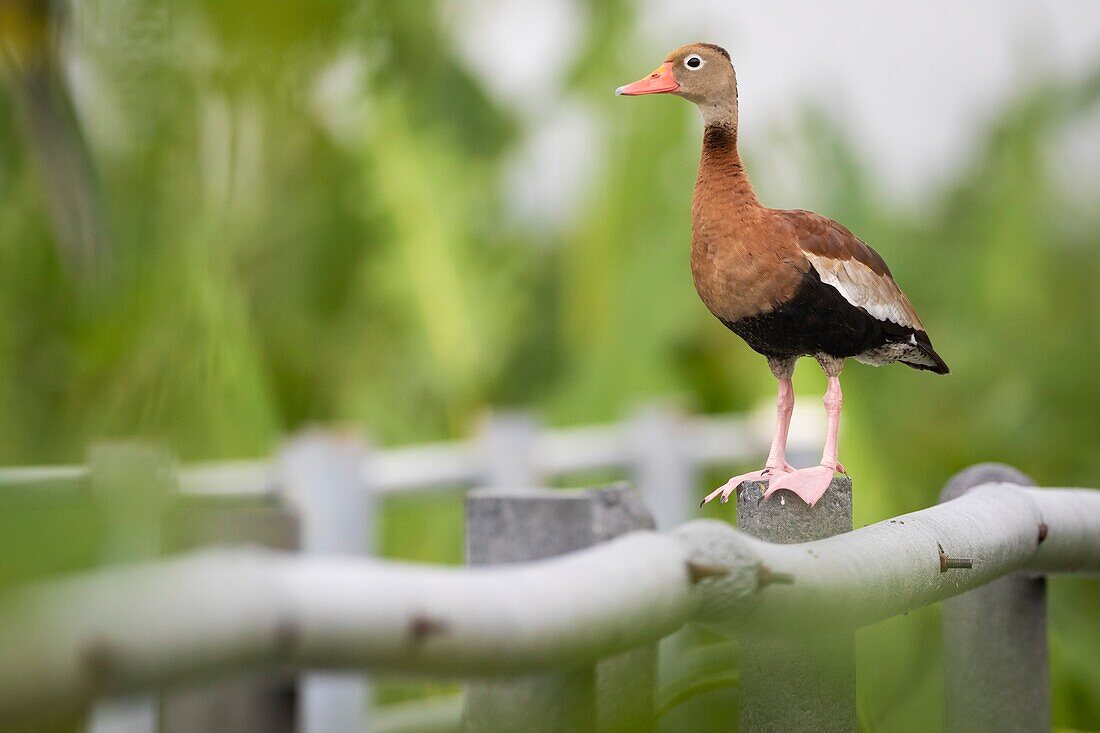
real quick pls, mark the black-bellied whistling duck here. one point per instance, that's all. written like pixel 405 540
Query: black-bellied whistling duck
pixel 790 283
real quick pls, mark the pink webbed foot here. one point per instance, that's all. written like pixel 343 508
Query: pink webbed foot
pixel 809 484
pixel 730 486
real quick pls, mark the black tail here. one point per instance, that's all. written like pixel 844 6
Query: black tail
pixel 940 367
pixel 934 363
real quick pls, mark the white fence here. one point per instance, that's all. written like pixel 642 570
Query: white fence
pixel 656 445
pixel 132 628
pixel 575 633
pixel 333 484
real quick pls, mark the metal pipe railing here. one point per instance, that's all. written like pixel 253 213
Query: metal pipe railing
pixel 133 628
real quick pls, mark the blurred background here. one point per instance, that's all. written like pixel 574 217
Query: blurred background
pixel 223 220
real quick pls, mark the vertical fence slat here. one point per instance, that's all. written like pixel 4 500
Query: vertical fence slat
pixel 132 483
pixel 322 474
pixel 662 472
pixel 806 679
pixel 521 525
pixel 996 672
pixel 507 444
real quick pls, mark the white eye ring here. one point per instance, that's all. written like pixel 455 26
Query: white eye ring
pixel 694 57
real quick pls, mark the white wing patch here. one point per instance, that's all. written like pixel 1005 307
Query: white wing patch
pixel 877 294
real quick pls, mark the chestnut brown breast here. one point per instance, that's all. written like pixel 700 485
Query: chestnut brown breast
pixel 744 261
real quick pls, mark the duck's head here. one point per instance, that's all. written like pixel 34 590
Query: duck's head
pixel 699 72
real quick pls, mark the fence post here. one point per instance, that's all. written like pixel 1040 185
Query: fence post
pixel 132 483
pixel 625 684
pixel 507 444
pixel 664 475
pixel 521 525
pixel 995 638
pixel 804 679
pixel 322 475
pixel 256 702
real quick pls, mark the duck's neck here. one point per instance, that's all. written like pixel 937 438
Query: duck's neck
pixel 721 173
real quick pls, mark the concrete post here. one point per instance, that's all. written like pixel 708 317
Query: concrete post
pixel 260 702
pixel 625 684
pixel 522 525
pixel 995 639
pixel 803 679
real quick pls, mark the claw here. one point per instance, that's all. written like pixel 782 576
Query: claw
pixel 809 484
pixel 768 473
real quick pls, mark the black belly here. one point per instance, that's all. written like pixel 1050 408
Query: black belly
pixel 817 320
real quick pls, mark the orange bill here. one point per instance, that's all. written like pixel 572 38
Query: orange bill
pixel 661 81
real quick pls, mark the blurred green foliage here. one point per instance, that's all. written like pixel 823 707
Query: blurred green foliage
pixel 306 216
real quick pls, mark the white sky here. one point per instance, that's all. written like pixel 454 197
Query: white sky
pixel 913 82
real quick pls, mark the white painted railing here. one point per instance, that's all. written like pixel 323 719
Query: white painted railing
pixel 131 629
pixel 659 449
pixel 692 442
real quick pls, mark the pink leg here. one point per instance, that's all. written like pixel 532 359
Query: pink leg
pixel 777 456
pixel 784 408
pixel 834 400
pixel 810 483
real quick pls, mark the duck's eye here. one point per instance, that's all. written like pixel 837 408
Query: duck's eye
pixel 693 61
